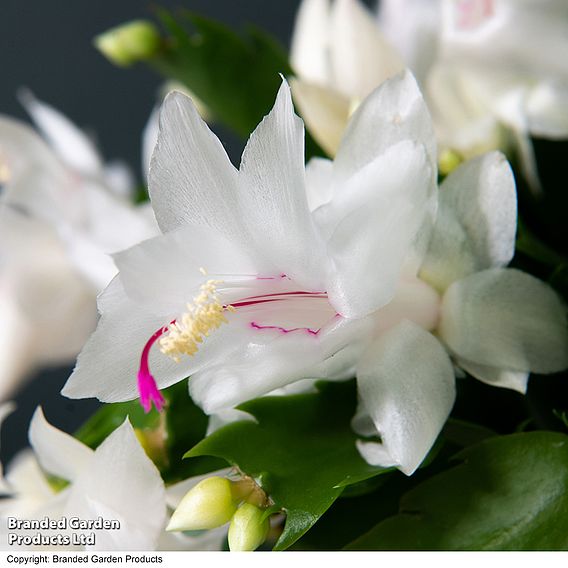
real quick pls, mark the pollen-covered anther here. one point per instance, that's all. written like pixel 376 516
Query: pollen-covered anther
pixel 204 314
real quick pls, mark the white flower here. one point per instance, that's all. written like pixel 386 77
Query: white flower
pixel 498 67
pixel 339 56
pixel 117 481
pixel 293 282
pixel 60 216
pixel 489 68
pixel 498 324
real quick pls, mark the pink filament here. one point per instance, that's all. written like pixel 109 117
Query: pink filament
pixel 147 387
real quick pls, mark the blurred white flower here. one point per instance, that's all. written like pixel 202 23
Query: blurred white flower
pixel 498 324
pixel 117 481
pixel 489 68
pixel 498 78
pixel 61 213
pixel 339 57
pixel 60 476
pixel 291 286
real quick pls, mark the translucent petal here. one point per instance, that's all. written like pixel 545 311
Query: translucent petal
pixel 407 397
pixel 506 319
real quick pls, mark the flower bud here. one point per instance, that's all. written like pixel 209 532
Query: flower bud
pixel 126 44
pixel 208 505
pixel 247 530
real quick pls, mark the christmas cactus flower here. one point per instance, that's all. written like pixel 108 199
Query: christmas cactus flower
pixel 339 56
pixel 488 68
pixel 269 274
pixel 497 324
pixel 61 213
pixel 117 481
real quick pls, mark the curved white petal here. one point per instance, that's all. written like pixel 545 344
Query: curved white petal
pixel 361 58
pixel 412 26
pixel 514 380
pixel 506 319
pixel 71 145
pixel 149 140
pixel 393 113
pixel 272 195
pixel 319 182
pixel 373 222
pixel 163 273
pixel 191 179
pixel 408 397
pixel 16 340
pixel 546 110
pixel 108 364
pixel 30 488
pixel 121 483
pixel 119 179
pixel 476 223
pixel 21 146
pixel 325 111
pixel 272 359
pixel 309 54
pixel 58 452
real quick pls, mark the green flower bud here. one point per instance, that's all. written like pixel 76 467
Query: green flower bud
pixel 129 43
pixel 208 505
pixel 247 531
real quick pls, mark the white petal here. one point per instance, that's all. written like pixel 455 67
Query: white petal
pixel 393 113
pixel 476 224
pixel 374 220
pixel 325 111
pixel 212 540
pixel 163 273
pixel 118 177
pixel 21 146
pixel 463 117
pixel 273 196
pixel 506 319
pixel 546 110
pixel 319 182
pixel 408 398
pixel 71 145
pixel 191 179
pixel 58 452
pixel 149 140
pixel 361 57
pixel 48 309
pixel 412 26
pixel 122 483
pixel 27 481
pixel 108 365
pixel 17 338
pixel 515 380
pixel 309 55
pixel 272 359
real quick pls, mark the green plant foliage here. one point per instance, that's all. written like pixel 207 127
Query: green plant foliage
pixel 300 449
pixel 508 493
pixel 236 76
pixel 165 436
